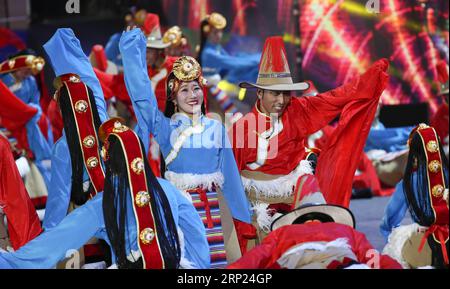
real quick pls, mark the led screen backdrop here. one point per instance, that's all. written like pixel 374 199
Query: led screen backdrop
pixel 340 38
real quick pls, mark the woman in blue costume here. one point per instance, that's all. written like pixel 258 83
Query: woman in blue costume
pixel 116 219
pixel 397 207
pixel 198 156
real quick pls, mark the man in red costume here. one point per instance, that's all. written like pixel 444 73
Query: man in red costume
pixel 315 236
pixel 269 143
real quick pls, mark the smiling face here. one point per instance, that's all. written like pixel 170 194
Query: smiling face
pixel 215 35
pixel 189 97
pixel 273 102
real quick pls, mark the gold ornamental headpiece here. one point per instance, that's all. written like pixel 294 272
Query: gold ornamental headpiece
pixel 186 68
pixel 173 36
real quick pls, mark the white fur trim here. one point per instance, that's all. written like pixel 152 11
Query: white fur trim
pixel 154 149
pixel 113 266
pixel 23 166
pixel 263 217
pixel 426 267
pixel 397 240
pixel 184 262
pixel 445 197
pixel 86 186
pixel 192 181
pixel 97 265
pixel 280 187
pixel 338 243
pixel 41 214
pixel 358 266
pixel 337 248
pixel 134 256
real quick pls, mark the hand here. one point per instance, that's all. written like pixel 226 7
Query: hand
pixel 131 27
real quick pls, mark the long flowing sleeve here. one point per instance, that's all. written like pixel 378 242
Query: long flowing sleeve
pixel 236 68
pixel 55 244
pixel 38 144
pixel 394 212
pixel 66 56
pixel 233 189
pixel 150 120
pixel 357 102
pixel 112 49
pixel 59 191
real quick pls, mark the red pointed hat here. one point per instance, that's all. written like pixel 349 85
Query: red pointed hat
pixel 274 73
pixel 152 28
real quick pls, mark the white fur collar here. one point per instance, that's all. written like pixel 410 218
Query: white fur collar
pixel 192 181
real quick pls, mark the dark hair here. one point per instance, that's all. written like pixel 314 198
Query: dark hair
pixel 27 51
pixel 324 218
pixel 115 195
pixel 78 196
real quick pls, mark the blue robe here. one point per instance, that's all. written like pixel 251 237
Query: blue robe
pixel 87 221
pixel 234 69
pixel 202 154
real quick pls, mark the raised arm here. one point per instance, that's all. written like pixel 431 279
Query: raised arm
pixel 59 191
pixel 50 247
pixel 66 56
pixel 132 47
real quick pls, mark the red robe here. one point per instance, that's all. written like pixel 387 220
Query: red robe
pixel 356 102
pixel 265 256
pixel 23 221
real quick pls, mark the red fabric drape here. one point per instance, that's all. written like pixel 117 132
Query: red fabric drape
pixel 23 222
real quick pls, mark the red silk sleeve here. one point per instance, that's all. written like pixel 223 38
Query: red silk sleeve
pixel 341 154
